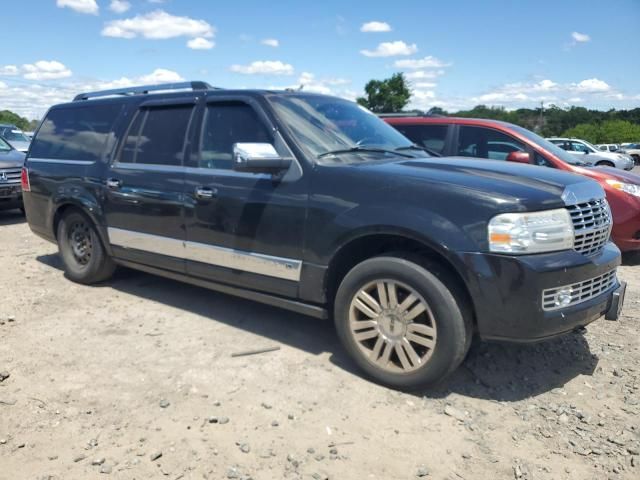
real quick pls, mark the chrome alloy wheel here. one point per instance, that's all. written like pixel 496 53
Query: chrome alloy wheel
pixel 392 325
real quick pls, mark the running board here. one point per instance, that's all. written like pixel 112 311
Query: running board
pixel 273 300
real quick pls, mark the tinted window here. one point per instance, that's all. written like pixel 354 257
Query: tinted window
pixel 161 136
pixel 226 124
pixel 542 161
pixel 486 143
pixel 75 133
pixel 579 147
pixel 432 137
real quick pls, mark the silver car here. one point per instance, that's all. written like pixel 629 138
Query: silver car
pixel 16 138
pixel 591 155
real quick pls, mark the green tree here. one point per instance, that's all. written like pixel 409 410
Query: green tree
pixel 7 116
pixel 386 96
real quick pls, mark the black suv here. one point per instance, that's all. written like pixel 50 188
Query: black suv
pixel 313 204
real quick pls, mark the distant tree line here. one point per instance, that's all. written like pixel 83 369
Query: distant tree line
pixel 393 94
pixel 7 116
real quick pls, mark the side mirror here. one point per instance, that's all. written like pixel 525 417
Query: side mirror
pixel 258 158
pixel 519 157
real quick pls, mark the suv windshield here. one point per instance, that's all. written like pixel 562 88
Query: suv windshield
pixel 549 146
pixel 323 125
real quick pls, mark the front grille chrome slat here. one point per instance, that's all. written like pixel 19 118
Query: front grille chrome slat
pixel 592 226
pixel 579 292
pixel 10 176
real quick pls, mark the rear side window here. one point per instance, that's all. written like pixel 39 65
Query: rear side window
pixel 486 143
pixel 225 124
pixel 157 136
pixel 75 134
pixel 433 137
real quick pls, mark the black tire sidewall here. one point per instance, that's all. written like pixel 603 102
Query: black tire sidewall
pixel 97 267
pixel 453 330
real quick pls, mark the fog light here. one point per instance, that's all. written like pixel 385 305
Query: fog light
pixel 563 297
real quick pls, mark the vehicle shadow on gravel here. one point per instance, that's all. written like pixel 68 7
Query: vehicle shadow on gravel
pixel 492 371
pixel 630 259
pixel 11 217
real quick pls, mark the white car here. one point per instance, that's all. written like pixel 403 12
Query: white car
pixel 608 147
pixel 632 149
pixel 590 155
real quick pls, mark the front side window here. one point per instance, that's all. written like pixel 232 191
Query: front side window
pixel 486 143
pixel 157 136
pixel 76 133
pixel 227 123
pixel 579 147
pixel 322 124
pixel 433 137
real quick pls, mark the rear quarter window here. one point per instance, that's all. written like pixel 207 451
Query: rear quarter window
pixel 75 134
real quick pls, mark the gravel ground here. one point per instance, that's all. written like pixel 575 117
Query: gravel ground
pixel 135 379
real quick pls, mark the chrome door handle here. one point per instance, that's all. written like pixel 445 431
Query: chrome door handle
pixel 113 183
pixel 205 193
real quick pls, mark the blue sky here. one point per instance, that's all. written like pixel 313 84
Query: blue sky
pixel 456 53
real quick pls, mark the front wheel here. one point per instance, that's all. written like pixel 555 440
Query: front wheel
pixel 85 259
pixel 402 324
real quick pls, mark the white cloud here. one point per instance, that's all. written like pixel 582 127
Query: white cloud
pixel 3 86
pixel 119 6
pixel 9 70
pixel 580 37
pixel 270 42
pixel 158 25
pixel 416 63
pixel 424 85
pixel 81 6
pixel 264 67
pixel 200 43
pixel 375 27
pixel 592 85
pixel 424 75
pixel 310 83
pixel 45 70
pixel 391 49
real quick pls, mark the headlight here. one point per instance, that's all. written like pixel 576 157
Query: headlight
pixel 629 188
pixel 533 232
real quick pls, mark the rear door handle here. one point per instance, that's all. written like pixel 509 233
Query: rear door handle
pixel 205 193
pixel 113 183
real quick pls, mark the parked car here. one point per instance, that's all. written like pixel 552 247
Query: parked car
pixel 11 162
pixel 505 141
pixel 633 150
pixel 312 203
pixel 589 154
pixel 608 147
pixel 15 137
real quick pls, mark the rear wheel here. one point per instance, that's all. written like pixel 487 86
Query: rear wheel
pixel 402 324
pixel 83 255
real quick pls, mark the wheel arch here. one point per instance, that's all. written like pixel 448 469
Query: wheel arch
pixel 87 209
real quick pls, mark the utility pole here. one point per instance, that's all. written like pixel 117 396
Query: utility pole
pixel 541 121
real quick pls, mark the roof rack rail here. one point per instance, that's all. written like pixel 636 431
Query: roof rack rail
pixel 144 89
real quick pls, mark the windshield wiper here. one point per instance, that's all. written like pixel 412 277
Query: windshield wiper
pixel 359 148
pixel 415 146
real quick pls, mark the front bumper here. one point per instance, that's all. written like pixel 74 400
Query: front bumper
pixel 10 197
pixel 507 292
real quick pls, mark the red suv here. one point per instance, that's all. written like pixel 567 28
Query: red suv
pixel 495 140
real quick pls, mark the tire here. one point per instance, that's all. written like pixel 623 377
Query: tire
pixel 636 159
pixel 440 335
pixel 83 255
pixel 605 164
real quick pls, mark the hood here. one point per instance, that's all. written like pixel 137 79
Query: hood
pixel 21 146
pixel 11 159
pixel 605 173
pixel 506 186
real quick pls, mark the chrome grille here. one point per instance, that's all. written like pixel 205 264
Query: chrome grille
pixel 592 225
pixel 578 292
pixel 10 176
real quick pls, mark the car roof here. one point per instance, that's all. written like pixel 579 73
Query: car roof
pixel 420 120
pixel 213 92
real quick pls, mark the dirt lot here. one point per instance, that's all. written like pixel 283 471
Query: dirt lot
pixel 135 380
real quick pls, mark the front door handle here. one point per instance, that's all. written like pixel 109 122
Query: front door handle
pixel 205 193
pixel 113 183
